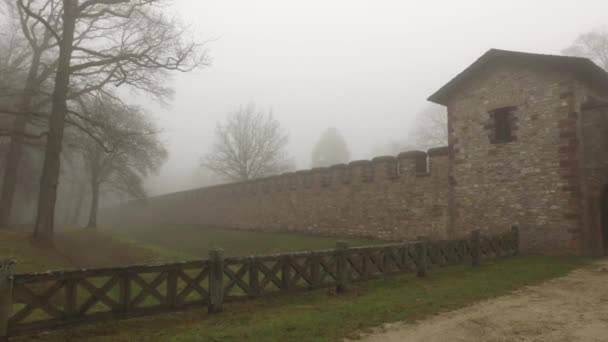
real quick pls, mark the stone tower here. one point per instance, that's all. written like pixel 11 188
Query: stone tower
pixel 528 138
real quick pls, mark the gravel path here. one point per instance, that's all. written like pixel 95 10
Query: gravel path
pixel 571 308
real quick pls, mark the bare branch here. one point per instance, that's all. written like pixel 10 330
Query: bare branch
pixel 593 45
pixel 98 140
pixel 90 3
pixel 6 133
pixel 40 19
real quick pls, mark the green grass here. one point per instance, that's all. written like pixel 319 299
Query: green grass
pixel 321 315
pixel 198 241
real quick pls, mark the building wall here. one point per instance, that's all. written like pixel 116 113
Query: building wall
pixel 384 198
pixel 532 181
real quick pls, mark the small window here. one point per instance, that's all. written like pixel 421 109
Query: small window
pixel 502 124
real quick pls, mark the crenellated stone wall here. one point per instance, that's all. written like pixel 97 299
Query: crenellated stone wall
pixel 528 146
pixel 391 198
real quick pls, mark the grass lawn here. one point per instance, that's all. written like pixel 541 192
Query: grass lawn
pixel 198 241
pixel 321 315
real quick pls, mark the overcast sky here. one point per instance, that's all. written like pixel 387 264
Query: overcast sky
pixel 365 67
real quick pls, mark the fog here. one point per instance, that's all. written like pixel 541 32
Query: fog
pixel 365 67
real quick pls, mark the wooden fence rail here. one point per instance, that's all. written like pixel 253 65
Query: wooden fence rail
pixel 31 302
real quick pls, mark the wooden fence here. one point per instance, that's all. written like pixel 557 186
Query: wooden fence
pixel 32 302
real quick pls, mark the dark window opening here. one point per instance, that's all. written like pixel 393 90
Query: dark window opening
pixel 420 165
pixel 502 124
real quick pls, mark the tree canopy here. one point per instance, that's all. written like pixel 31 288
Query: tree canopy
pixel 593 45
pixel 330 149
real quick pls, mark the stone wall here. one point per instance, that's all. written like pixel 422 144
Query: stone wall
pixel 548 177
pixel 534 179
pixel 391 198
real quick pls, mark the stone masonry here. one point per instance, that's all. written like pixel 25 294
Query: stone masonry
pixel 535 179
pixel 528 146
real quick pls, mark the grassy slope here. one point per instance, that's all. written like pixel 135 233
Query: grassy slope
pixel 31 256
pixel 78 249
pixel 197 241
pixel 322 316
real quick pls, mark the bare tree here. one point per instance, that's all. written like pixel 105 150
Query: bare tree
pixel 131 150
pixel 593 45
pixel 103 43
pixel 430 128
pixel 26 65
pixel 251 144
pixel 330 149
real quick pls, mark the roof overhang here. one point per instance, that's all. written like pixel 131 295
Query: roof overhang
pixel 582 67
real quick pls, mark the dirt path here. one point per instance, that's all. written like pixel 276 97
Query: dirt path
pixel 571 308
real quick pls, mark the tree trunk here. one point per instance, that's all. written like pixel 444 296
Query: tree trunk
pixel 9 183
pixel 52 157
pixel 94 204
pixel 15 148
pixel 79 199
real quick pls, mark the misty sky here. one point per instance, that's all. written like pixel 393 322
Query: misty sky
pixel 365 67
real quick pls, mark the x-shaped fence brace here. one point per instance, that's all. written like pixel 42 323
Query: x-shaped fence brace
pixel 54 298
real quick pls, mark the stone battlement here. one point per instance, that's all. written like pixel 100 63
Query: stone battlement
pixel 410 164
pixel 389 197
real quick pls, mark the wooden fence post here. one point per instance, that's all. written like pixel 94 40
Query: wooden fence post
pixel 6 296
pixel 387 268
pixel 172 288
pixel 315 275
pixel 285 272
pixel 216 280
pixel 475 248
pixel 341 266
pixel 422 251
pixel 125 291
pixel 70 298
pixel 384 262
pixel 515 232
pixel 254 278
